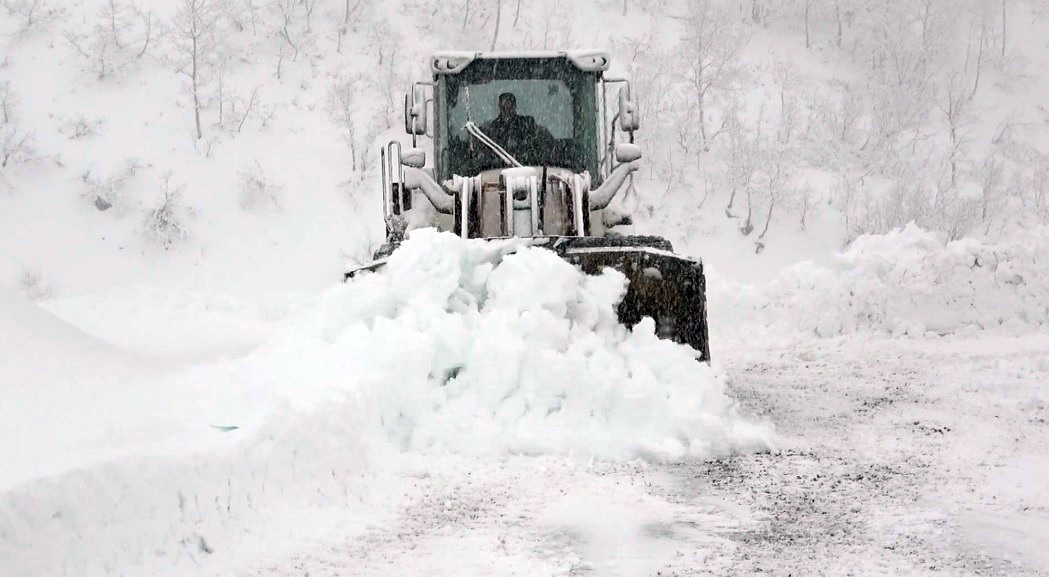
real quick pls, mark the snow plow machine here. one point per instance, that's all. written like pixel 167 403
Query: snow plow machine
pixel 526 145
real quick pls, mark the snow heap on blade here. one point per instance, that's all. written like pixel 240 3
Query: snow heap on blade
pixel 486 347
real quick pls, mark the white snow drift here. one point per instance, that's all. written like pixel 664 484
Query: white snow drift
pixel 481 349
pixel 909 281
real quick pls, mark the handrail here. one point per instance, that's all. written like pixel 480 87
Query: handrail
pixel 388 158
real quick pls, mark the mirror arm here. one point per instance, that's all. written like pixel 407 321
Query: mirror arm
pixel 604 194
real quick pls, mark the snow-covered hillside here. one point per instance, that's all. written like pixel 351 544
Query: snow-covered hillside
pixel 187 388
pixel 824 118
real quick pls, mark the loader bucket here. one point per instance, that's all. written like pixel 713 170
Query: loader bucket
pixel 667 287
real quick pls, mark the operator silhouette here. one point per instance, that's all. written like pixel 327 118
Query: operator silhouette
pixel 519 135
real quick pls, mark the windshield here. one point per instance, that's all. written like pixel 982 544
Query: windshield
pixel 541 111
pixel 548 102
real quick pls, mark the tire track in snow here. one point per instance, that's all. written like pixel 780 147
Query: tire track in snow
pixel 878 473
pixel 890 471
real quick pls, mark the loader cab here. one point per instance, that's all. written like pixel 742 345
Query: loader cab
pixel 556 109
pixel 522 145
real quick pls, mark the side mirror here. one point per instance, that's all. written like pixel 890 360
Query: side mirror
pixel 414 157
pixel 414 115
pixel 626 152
pixel 628 116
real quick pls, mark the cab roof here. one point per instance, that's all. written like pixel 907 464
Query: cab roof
pixel 454 62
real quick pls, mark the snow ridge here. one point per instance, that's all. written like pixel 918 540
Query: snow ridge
pixel 907 282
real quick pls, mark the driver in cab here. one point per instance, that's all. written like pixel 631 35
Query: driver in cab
pixel 515 133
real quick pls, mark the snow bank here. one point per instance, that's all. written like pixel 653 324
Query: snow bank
pixel 905 282
pixel 488 348
pixel 481 349
pixel 50 377
pixel 177 322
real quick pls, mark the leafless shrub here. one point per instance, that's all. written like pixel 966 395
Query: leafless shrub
pixel 80 126
pixel 122 35
pixel 32 284
pixel 257 191
pixel 106 192
pixel 29 13
pixel 16 145
pixel 165 224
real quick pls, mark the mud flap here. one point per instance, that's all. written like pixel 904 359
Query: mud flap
pixel 667 287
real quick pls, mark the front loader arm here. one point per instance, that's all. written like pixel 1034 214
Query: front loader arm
pixel 604 194
pixel 416 179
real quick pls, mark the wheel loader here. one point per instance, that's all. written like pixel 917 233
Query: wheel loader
pixel 536 145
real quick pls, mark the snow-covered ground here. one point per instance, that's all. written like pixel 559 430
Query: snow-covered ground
pixel 898 459
pixel 469 410
pixel 187 389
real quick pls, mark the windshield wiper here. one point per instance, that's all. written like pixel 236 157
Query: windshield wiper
pixel 486 140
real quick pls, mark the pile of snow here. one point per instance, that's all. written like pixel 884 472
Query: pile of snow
pixel 906 282
pixel 50 377
pixel 493 347
pixel 480 349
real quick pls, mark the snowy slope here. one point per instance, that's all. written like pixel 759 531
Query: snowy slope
pixel 186 387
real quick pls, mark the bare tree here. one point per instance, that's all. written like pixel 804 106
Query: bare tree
pixel 221 75
pixel 146 18
pixel 8 101
pixel 981 42
pixel 29 12
pixel 952 100
pixel 95 49
pixel 287 13
pixel 466 14
pixel 350 16
pixel 991 176
pixel 356 117
pixel 776 170
pixel 740 168
pixel 194 28
pixel 837 18
pixel 498 17
pixel 253 13
pixel 248 109
pixel 309 6
pixel 711 43
pixel 15 144
pixel 342 106
pixel 114 13
pixel 805 197
pixel 1004 28
pixel 807 10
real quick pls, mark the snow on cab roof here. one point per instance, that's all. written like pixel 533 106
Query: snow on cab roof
pixel 453 62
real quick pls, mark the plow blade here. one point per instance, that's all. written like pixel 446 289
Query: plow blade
pixel 667 287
